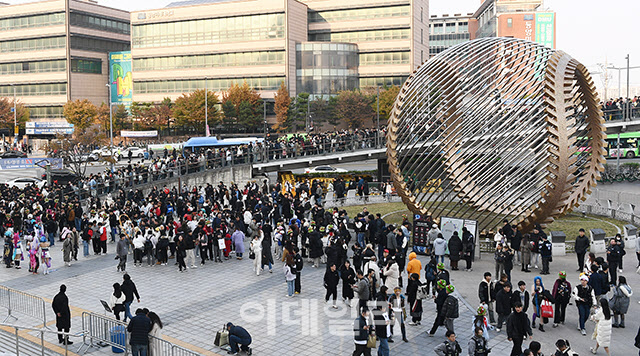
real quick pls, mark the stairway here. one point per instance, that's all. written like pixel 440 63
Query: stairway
pixel 26 347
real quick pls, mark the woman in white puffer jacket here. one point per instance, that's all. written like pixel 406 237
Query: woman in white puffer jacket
pixel 602 331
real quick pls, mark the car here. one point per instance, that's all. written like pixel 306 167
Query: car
pixel 13 154
pixel 24 182
pixel 62 176
pixel 325 169
pixel 135 152
pixel 108 152
pixel 84 157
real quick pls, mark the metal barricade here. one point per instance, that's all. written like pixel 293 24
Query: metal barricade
pixel 159 347
pixel 100 328
pixel 181 351
pixel 24 303
pixel 25 347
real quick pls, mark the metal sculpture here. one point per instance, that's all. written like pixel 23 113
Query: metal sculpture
pixel 497 128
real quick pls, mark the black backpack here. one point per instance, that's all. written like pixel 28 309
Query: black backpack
pixel 452 307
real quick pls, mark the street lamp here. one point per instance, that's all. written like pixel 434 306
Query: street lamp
pixel 110 116
pixel 15 117
pixel 206 108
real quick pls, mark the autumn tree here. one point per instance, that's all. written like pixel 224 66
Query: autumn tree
pixel 80 113
pixel 102 117
pixel 354 108
pixel 72 148
pixel 387 100
pixel 121 119
pixel 140 113
pixel 160 114
pixel 189 110
pixel 299 110
pixel 282 103
pixel 247 105
pixel 7 116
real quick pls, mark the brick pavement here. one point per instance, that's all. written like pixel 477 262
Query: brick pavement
pixel 194 304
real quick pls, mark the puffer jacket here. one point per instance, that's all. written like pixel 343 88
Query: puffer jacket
pixel 414 265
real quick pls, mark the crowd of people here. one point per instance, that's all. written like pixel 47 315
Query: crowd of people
pixel 614 109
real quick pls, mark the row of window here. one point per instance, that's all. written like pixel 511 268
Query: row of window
pixel 381 81
pixel 186 86
pixel 326 85
pixel 327 59
pixel 99 23
pixel 210 60
pixel 34 89
pixel 448 40
pixel 93 66
pixel 359 14
pixel 33 67
pixel 450 27
pixel 384 58
pixel 34 44
pixel 31 21
pixel 98 45
pixel 45 112
pixel 361 36
pixel 226 29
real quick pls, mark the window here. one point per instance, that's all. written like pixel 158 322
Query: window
pixel 100 23
pixel 8 24
pixel 183 86
pixel 361 36
pixel 34 89
pixel 98 44
pixel 34 44
pixel 450 28
pixel 217 60
pixel 93 66
pixel 359 14
pixel 509 22
pixel 33 67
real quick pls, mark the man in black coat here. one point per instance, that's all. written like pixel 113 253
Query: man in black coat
pixel 582 244
pixel 518 328
pixel 331 280
pixel 503 305
pixel 129 290
pixel 521 294
pixel 139 327
pixel 60 307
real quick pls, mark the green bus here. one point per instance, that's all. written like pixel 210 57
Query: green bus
pixel 628 145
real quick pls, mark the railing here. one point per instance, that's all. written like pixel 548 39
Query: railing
pixel 20 342
pixel 23 303
pixel 181 351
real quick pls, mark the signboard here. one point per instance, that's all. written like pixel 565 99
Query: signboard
pixel 124 133
pixel 545 25
pixel 49 128
pixel 28 163
pixel 48 124
pixel 421 229
pixel 120 77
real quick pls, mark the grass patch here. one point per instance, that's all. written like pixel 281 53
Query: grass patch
pixel 569 224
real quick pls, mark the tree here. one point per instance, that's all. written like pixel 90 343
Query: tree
pixel 121 119
pixel 250 116
pixel 80 113
pixel 102 118
pixel 299 110
pixel 282 104
pixel 229 114
pixel 7 116
pixel 160 114
pixel 71 148
pixel 387 100
pixel 140 113
pixel 354 108
pixel 189 110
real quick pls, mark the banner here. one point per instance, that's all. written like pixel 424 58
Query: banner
pixel 49 128
pixel 124 133
pixel 545 25
pixel 120 77
pixel 28 163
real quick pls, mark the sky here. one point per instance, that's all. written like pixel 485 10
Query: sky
pixel 591 31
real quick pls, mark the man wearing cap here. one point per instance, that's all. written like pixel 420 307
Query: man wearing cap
pixel 581 246
pixel 584 297
pixel 562 294
pixel 238 336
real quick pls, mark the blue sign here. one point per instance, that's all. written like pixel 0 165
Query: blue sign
pixel 27 163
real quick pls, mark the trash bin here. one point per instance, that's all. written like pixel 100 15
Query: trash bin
pixel 558 241
pixel 118 337
pixel 597 240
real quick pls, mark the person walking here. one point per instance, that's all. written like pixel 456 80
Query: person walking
pixel 130 291
pixel 139 327
pixel 60 305
pixel 614 256
pixel 581 246
pixel 414 265
pixel 450 347
pixel 620 302
pixel 361 330
pixel 455 250
pixel 298 265
pixel 348 276
pixel 525 251
pixel 508 260
pixel 522 295
pixel 181 253
pixel 487 296
pixel 562 295
pixel 363 289
pixel 478 344
pixel 538 296
pixel 392 272
pixel 546 248
pixel 121 253
pixel 440 248
pixel 397 303
pixel 467 248
pixel 382 328
pixel 415 303
pixel 238 336
pixel 440 300
pixel 289 276
pixel 256 249
pixel 331 279
pixel 503 304
pixel 155 334
pixel 602 330
pixel 499 257
pixel 584 297
pixel 450 309
pixel 518 328
pixel 67 246
pixel 116 301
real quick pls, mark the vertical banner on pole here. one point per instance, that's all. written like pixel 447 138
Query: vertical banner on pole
pixel 120 78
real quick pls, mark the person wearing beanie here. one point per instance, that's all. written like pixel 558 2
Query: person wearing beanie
pixel 450 308
pixel 443 273
pixel 440 302
pixel 584 297
pixel 562 295
pixel 480 321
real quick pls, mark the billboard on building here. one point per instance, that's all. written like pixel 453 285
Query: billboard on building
pixel 545 26
pixel 120 77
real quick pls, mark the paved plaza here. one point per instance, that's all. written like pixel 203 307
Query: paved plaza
pixel 194 304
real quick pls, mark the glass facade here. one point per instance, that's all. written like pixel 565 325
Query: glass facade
pixel 43 20
pixel 99 23
pixel 359 14
pixel 34 89
pixel 209 60
pixel 361 36
pixel 34 44
pixel 447 40
pixel 382 81
pixel 45 112
pixel 326 68
pixel 33 67
pixel 190 85
pixel 98 44
pixel 93 66
pixel 384 58
pixel 225 29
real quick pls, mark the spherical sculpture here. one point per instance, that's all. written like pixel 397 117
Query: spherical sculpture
pixel 496 128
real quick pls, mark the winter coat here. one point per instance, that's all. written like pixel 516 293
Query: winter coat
pixel 392 273
pixel 67 247
pixel 582 244
pixel 455 247
pixel 518 325
pixel 620 300
pixel 238 241
pixel 602 331
pixel 414 265
pixel 503 303
pixel 331 279
pixel 440 246
pixel 139 327
pixel 485 292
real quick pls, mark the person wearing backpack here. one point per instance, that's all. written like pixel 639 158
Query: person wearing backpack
pixel 440 304
pixel 430 274
pixel 620 301
pixel 87 235
pixel 478 344
pixel 562 294
pixel 449 347
pixel 450 308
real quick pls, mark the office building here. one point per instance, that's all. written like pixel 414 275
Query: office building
pixel 447 31
pixel 56 50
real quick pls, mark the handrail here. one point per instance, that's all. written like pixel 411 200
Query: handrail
pixel 17 330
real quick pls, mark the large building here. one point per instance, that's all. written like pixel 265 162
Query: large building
pixel 447 31
pixel 56 50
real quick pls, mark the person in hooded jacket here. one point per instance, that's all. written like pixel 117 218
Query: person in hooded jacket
pixel 348 276
pixel 415 303
pixel 538 295
pixel 455 250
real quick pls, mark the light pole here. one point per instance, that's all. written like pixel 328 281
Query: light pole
pixel 206 108
pixel 628 108
pixel 264 117
pixel 110 117
pixel 15 117
pixel 377 116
